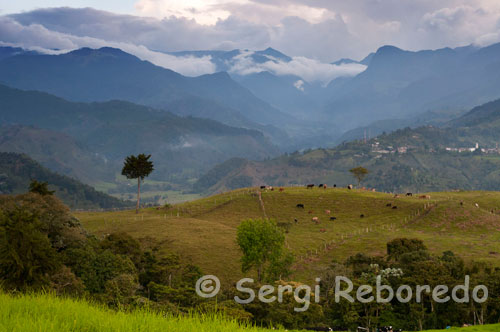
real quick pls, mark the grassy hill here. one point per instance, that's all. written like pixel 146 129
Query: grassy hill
pixel 17 171
pixel 204 230
pixel 48 313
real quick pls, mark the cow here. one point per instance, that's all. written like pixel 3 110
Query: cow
pixel 388 205
pixel 424 197
pixel 333 218
pixel 310 186
pixel 310 212
pixel 315 219
pixel 409 194
pixel 325 186
pixel 282 189
pixel 396 196
pixel 327 211
pixel 296 220
pixel 362 216
pixel 476 205
pixel 262 187
pixel 321 185
pixel 394 207
pixel 300 206
pixel 349 187
pixel 322 230
pixel 334 186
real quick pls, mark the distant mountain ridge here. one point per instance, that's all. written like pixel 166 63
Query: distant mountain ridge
pixel 105 74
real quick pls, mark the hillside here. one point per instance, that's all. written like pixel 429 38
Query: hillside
pixel 182 146
pixel 191 228
pixel 56 151
pixel 17 171
pixel 422 159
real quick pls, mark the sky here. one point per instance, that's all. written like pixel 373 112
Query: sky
pixel 321 31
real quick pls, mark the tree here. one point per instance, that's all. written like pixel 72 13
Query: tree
pixel 262 244
pixel 359 173
pixel 137 167
pixel 41 188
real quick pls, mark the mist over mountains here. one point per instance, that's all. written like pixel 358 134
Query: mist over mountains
pixel 106 103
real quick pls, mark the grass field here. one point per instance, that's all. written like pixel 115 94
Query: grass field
pixel 48 313
pixel 204 230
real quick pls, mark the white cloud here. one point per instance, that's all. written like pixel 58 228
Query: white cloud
pixel 37 37
pixel 299 85
pixel 308 69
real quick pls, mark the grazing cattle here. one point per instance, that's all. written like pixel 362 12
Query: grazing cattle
pixel 270 188
pixel 388 204
pixel 325 186
pixel 409 194
pixel 327 211
pixel 310 212
pixel 321 185
pixel 362 216
pixel 282 189
pixel 334 186
pixel 477 205
pixel 424 197
pixel 310 186
pixel 394 207
pixel 315 219
pixel 300 206
pixel 333 218
pixel 349 187
pixel 262 187
pixel 322 230
pixel 462 203
pixel 296 220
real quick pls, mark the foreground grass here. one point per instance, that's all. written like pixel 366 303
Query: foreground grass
pixel 49 313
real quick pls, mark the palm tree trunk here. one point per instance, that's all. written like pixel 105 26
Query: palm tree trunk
pixel 138 195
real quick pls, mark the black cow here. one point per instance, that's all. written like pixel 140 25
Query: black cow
pixel 388 204
pixel 262 187
pixel 334 186
pixel 300 206
pixel 333 218
pixel 409 194
pixel 394 207
pixel 362 216
pixel 321 185
pixel 310 186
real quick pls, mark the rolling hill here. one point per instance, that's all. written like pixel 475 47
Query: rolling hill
pixel 421 159
pixel 182 146
pixel 191 228
pixel 17 171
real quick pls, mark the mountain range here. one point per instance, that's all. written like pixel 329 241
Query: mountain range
pixel 90 140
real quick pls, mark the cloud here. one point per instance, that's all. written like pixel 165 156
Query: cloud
pixel 299 85
pixel 39 38
pixel 325 30
pixel 308 69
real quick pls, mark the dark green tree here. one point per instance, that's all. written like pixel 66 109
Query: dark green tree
pixel 262 243
pixel 359 173
pixel 137 167
pixel 41 188
pixel 26 255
